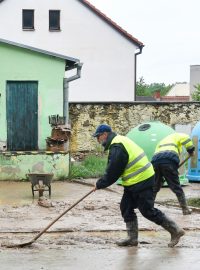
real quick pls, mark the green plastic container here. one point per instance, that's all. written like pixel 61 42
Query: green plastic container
pixel 147 135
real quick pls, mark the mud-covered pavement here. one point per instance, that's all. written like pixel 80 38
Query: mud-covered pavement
pixel 85 237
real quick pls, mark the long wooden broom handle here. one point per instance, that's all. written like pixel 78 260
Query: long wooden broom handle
pixel 62 214
pixel 181 164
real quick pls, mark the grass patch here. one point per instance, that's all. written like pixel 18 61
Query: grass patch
pixel 195 202
pixel 91 167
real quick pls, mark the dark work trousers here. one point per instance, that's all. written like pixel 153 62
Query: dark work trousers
pixel 141 199
pixel 168 173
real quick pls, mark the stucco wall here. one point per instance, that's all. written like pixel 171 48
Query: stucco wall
pixel 17 166
pixel 123 117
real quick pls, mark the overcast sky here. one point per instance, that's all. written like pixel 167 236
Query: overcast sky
pixel 169 29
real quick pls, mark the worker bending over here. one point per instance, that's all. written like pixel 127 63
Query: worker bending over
pixel 166 163
pixel 128 161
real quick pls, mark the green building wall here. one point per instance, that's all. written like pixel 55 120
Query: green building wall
pixel 18 64
pixel 21 64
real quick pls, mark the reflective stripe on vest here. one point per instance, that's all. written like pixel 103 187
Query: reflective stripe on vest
pixel 168 144
pixel 167 151
pixel 137 172
pixel 135 160
pixel 187 141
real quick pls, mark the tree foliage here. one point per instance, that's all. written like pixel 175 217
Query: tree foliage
pixel 196 93
pixel 143 89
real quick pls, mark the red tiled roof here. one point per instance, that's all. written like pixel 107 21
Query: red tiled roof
pixel 112 23
pixel 175 98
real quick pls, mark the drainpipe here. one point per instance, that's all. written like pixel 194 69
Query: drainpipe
pixel 66 81
pixel 136 54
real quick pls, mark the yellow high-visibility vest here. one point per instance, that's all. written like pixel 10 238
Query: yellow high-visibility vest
pixel 138 168
pixel 174 143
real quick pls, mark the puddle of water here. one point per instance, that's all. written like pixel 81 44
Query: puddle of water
pixel 106 259
pixel 15 193
pixel 19 193
pixel 12 193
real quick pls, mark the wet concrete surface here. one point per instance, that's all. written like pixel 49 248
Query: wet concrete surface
pixel 115 259
pixel 85 237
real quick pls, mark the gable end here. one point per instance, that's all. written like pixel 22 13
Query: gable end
pixel 112 23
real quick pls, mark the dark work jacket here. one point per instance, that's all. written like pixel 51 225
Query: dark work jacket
pixel 117 162
pixel 166 158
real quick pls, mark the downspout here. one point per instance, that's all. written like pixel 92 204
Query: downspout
pixel 136 54
pixel 66 81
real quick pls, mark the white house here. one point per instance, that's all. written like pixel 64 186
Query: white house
pixel 179 89
pixel 77 28
pixel 179 92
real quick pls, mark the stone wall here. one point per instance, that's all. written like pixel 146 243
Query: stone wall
pixel 85 117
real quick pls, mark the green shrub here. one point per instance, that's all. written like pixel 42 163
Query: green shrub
pixel 91 167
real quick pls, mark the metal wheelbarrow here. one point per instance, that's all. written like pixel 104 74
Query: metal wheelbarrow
pixel 40 182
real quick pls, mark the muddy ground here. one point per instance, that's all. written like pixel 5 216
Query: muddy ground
pixel 85 237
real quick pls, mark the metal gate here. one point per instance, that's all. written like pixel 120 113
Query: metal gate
pixel 22 115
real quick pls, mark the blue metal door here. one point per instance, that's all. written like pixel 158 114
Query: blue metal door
pixel 22 115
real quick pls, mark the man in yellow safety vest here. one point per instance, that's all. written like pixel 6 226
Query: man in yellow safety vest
pixel 128 161
pixel 166 163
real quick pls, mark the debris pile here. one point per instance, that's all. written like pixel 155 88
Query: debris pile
pixel 60 134
pixel 43 201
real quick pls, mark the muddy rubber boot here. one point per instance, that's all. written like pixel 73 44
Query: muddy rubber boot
pixel 183 205
pixel 132 231
pixel 176 232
